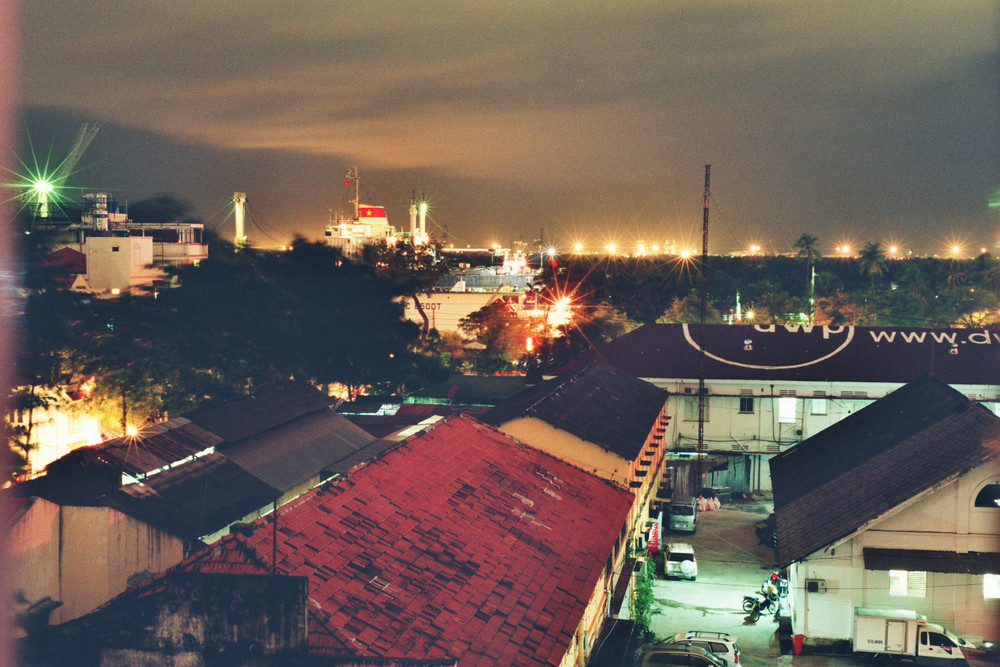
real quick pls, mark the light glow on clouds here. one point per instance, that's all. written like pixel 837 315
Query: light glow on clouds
pixel 808 111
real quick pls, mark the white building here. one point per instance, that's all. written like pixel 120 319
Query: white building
pixel 120 256
pixel 895 507
pixel 769 387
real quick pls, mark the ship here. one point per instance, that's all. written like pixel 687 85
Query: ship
pixel 367 227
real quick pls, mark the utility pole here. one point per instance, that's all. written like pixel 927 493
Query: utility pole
pixel 701 343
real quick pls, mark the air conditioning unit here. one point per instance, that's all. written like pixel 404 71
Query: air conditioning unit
pixel 815 585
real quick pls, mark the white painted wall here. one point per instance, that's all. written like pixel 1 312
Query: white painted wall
pixel 945 520
pixel 761 432
pixel 82 556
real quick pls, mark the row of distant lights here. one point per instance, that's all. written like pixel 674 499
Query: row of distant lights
pixel 612 249
pixel 896 252
pixel 893 252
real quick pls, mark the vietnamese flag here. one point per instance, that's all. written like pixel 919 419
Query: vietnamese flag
pixel 371 212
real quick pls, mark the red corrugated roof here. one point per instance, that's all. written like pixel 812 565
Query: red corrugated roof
pixel 460 543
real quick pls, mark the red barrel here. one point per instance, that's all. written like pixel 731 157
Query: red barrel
pixel 797 643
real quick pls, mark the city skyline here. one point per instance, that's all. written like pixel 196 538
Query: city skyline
pixel 582 124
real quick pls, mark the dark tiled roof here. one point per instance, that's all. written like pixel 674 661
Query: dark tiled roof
pixel 305 447
pixel 596 403
pixel 246 417
pixel 844 354
pixel 874 460
pixel 458 542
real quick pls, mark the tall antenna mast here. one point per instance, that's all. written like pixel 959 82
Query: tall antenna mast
pixel 352 175
pixel 704 321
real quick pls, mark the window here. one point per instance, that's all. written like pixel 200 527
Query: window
pixel 746 404
pixel 908 584
pixel 817 406
pixel 786 410
pixel 114 248
pixel 991 586
pixel 691 408
pixel 989 496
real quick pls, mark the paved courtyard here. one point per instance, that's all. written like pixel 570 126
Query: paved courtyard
pixel 730 565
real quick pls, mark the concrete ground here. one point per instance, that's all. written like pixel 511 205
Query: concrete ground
pixel 730 565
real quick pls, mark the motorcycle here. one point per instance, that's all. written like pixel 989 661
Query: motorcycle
pixel 757 604
pixel 779 582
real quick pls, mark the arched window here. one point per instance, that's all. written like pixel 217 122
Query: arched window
pixel 989 496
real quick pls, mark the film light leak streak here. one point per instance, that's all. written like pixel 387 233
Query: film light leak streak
pixel 826 332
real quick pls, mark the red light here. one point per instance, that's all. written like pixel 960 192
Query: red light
pixel 347 184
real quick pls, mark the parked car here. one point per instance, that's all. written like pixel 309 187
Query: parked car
pixel 684 514
pixel 676 654
pixel 680 561
pixel 721 644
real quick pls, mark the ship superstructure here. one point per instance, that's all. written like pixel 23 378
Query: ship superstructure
pixel 368 226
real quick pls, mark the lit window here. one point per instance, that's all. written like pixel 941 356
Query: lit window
pixel 991 586
pixel 786 410
pixel 691 408
pixel 746 404
pixel 818 406
pixel 908 584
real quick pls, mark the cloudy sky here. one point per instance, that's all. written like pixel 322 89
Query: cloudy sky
pixel 588 119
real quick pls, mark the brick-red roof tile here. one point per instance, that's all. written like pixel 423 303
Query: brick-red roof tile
pixel 458 542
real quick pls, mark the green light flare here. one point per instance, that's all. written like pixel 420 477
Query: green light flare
pixel 994 200
pixel 37 185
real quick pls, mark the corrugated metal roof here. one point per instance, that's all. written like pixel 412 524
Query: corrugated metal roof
pixel 460 542
pixel 300 449
pixel 406 415
pixel 827 354
pixel 477 389
pixel 155 447
pixel 874 460
pixel 190 500
pixel 596 403
pixel 196 499
pixel 246 417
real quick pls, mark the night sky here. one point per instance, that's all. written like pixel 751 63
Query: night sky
pixel 592 120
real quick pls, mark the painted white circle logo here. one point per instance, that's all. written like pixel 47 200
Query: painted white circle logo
pixel 827 331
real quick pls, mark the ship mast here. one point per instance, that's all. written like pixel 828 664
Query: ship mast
pixel 352 175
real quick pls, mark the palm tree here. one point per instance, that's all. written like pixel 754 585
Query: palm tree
pixel 807 246
pixel 872 261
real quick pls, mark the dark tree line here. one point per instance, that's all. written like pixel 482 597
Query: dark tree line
pixel 244 320
pixel 236 323
pixel 868 289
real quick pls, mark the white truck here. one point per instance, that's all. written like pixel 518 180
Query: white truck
pixel 891 635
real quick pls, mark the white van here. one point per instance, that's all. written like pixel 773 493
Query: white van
pixel 684 514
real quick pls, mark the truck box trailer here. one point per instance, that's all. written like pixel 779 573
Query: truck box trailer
pixel 899 634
